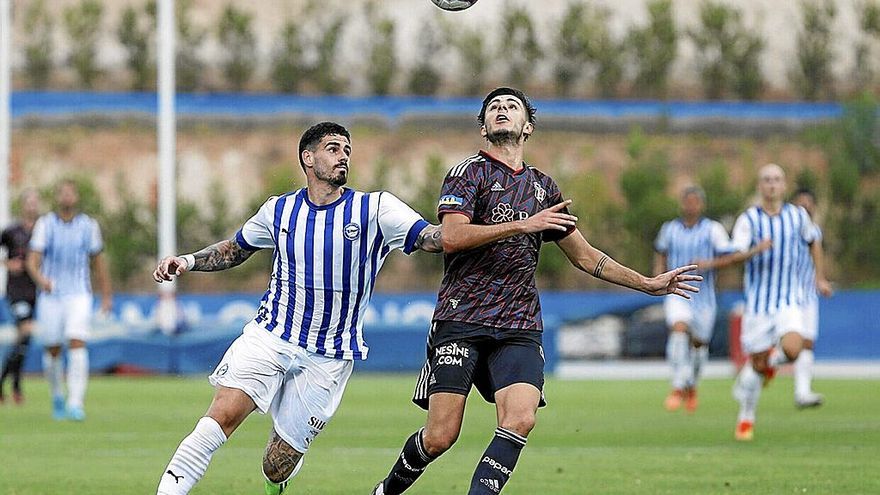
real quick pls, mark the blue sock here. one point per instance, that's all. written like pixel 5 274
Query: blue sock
pixel 410 465
pixel 497 463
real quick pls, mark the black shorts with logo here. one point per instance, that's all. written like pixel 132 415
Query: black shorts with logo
pixel 461 355
pixel 22 309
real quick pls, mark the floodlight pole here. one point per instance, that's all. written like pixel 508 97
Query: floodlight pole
pixel 167 184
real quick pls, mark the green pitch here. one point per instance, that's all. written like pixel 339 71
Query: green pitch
pixel 594 438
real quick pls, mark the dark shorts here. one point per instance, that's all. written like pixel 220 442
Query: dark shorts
pixel 461 355
pixel 21 309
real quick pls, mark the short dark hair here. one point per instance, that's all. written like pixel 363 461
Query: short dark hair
pixel 481 118
pixel 315 134
pixel 805 190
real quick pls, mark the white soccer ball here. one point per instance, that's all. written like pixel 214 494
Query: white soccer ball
pixel 454 5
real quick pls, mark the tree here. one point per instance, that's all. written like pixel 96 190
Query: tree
pixel 654 48
pixel 571 47
pixel 287 65
pixel 83 25
pixel 136 37
pixel 236 36
pixel 383 60
pixel 425 78
pixel 869 22
pixel 812 74
pixel 189 68
pixel 38 46
pixel 324 72
pixel 519 45
pixel 472 49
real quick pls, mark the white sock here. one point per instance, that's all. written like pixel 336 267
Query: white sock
pixel 803 373
pixel 699 356
pixel 747 391
pixel 190 461
pixel 54 373
pixel 77 376
pixel 677 355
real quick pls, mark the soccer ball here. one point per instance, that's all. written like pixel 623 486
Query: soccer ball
pixel 454 5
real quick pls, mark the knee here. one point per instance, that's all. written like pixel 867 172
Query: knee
pixel 521 424
pixel 760 364
pixel 792 344
pixel 438 441
pixel 54 350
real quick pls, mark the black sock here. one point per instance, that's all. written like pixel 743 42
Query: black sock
pixel 497 463
pixel 410 464
pixel 16 361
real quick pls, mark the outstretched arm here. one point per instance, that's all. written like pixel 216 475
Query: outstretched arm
pixel 220 256
pixel 734 258
pixel 818 255
pixel 587 258
pixel 102 272
pixel 430 239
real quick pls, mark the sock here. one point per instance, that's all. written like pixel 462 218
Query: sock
pixel 699 356
pixel 16 361
pixel 77 376
pixel 497 463
pixel 410 465
pixel 803 373
pixel 190 460
pixel 747 391
pixel 53 372
pixel 676 354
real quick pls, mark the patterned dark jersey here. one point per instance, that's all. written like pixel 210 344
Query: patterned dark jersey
pixel 19 285
pixel 494 284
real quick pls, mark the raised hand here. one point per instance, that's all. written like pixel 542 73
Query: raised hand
pixel 170 267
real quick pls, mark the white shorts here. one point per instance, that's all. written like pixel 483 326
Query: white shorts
pixel 61 318
pixel 811 320
pixel 760 332
pixel 300 389
pixel 700 321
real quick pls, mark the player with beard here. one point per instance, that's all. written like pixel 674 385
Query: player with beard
pixel 496 211
pixel 294 358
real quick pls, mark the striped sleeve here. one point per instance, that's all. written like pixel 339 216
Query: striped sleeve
pixel 39 236
pixel 721 243
pixel 460 189
pixel 96 242
pixel 399 223
pixel 256 233
pixel 661 244
pixel 742 233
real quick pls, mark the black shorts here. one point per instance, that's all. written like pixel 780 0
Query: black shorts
pixel 461 355
pixel 21 309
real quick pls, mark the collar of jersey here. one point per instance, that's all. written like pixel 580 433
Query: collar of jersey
pixel 485 154
pixel 346 193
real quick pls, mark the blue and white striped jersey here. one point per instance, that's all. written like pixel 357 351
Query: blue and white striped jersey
pixel 67 249
pixel 685 245
pixel 325 263
pixel 773 279
pixel 808 273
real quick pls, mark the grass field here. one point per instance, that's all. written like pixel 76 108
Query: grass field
pixel 594 438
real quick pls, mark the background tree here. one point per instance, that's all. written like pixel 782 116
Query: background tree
pixel 287 64
pixel 518 45
pixel 425 78
pixel 471 46
pixel 654 48
pixel 82 23
pixel 383 59
pixel 38 45
pixel 865 49
pixel 571 47
pixel 136 36
pixel 812 76
pixel 189 67
pixel 236 36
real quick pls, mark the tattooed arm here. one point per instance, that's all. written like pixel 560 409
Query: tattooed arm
pixel 221 256
pixel 430 239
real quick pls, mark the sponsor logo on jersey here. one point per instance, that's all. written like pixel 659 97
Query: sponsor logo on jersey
pixel 497 465
pixel 497 187
pixel 502 213
pixel 450 200
pixel 317 423
pixel 492 484
pixel 540 193
pixel 351 231
pixel 451 354
pixel 453 303
pixel 222 370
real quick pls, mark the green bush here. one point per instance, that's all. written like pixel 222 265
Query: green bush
pixel 137 37
pixel 287 64
pixel 605 53
pixel 38 45
pixel 236 36
pixel 189 67
pixel 654 48
pixel 324 72
pixel 869 23
pixel 83 25
pixel 383 60
pixel 471 45
pixel 571 47
pixel 425 78
pixel 724 200
pixel 812 75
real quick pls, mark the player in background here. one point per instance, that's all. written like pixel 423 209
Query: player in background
pixel 689 239
pixel 294 358
pixel 496 211
pixel 804 397
pixel 773 329
pixel 21 293
pixel 64 245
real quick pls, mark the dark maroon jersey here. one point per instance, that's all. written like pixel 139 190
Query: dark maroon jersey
pixel 19 285
pixel 494 284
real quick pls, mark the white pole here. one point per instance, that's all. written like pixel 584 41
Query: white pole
pixel 5 110
pixel 167 185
